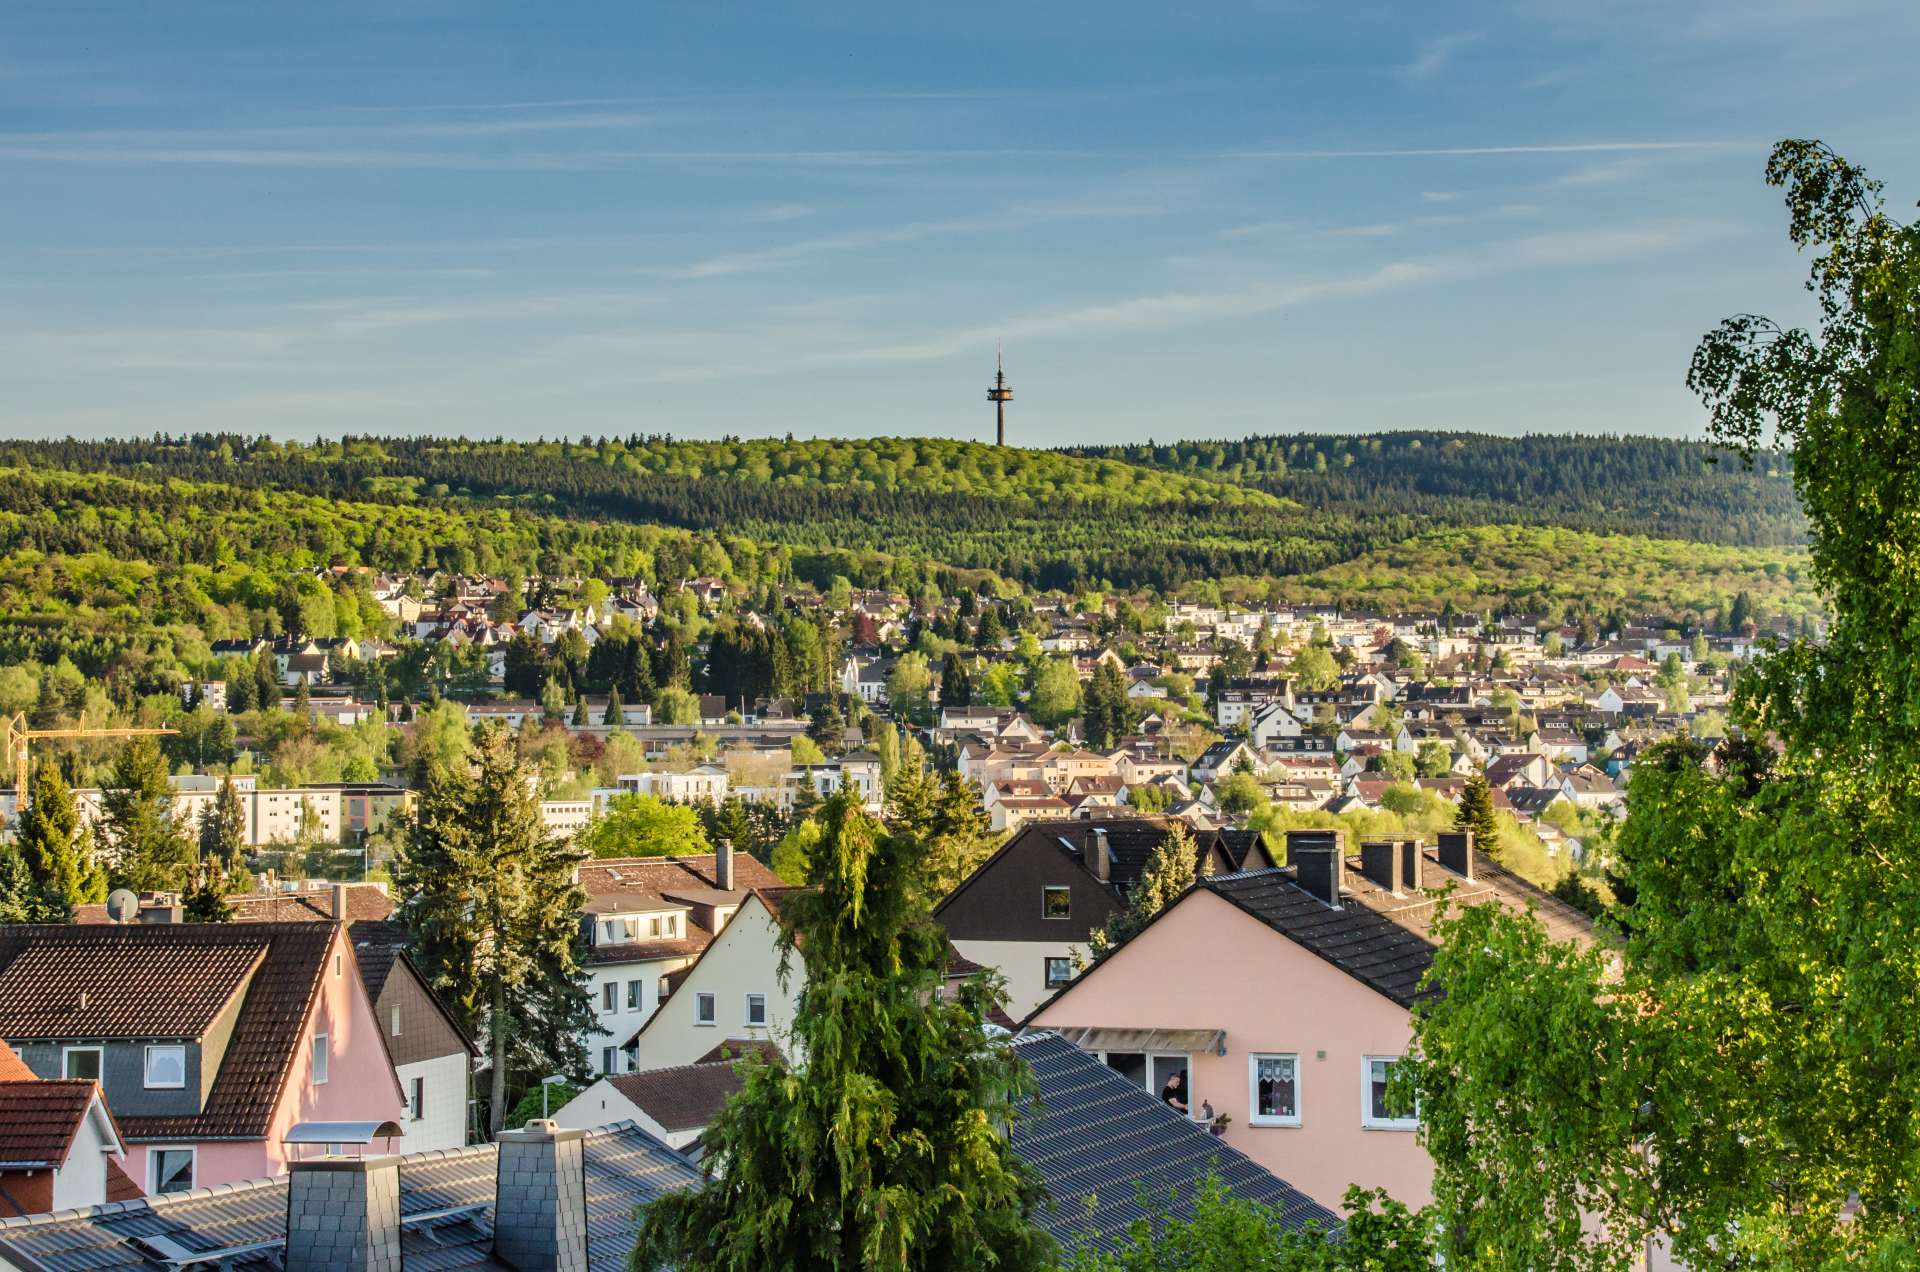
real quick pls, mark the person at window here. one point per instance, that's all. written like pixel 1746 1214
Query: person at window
pixel 1174 1094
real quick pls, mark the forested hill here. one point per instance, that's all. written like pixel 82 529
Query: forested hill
pixel 1634 485
pixel 1149 517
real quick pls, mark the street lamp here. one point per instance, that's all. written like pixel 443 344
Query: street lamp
pixel 547 1084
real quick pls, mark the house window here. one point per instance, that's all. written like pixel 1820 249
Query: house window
pixel 636 994
pixel 757 1010
pixel 1059 972
pixel 703 1009
pixel 81 1063
pixel 319 1059
pixel 169 1170
pixel 166 1068
pixel 673 925
pixel 1273 1095
pixel 609 1059
pixel 1056 902
pixel 1377 1112
pixel 417 1099
pixel 396 1020
pixel 610 996
pixel 653 926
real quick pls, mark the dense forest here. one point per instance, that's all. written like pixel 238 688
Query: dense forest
pixel 1156 517
pixel 1629 485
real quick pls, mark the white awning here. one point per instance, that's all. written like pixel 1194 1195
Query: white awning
pixel 1174 1041
pixel 341 1132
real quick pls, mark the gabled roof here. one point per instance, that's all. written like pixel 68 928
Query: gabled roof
pixel 625 1168
pixel 40 1120
pixel 195 960
pixel 1101 1144
pixel 117 982
pixel 380 948
pixel 684 1098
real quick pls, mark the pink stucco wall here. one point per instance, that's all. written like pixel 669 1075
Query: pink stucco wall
pixel 1208 965
pixel 361 1084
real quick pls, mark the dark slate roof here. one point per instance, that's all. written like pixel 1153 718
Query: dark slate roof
pixel 683 1098
pixel 1102 1143
pixel 625 1167
pixel 266 1034
pixel 1364 943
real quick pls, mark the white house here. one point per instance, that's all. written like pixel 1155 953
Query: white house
pixel 730 994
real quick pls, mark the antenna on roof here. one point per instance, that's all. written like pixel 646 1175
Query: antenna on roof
pixel 123 905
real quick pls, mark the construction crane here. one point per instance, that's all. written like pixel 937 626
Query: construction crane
pixel 18 735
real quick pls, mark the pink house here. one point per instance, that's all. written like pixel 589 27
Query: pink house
pixel 1282 997
pixel 211 1041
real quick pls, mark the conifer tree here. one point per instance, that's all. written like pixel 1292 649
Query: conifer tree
pixel 266 683
pixel 52 848
pixel 1476 814
pixel 1171 869
pixel 223 830
pixel 882 1145
pixel 828 728
pixel 614 714
pixel 956 685
pixel 205 899
pixel 1105 706
pixel 490 900
pixel 151 850
pixel 580 717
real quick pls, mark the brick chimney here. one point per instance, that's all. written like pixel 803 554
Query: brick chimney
pixel 723 865
pixel 1379 863
pixel 343 1215
pixel 1319 860
pixel 1456 852
pixel 540 1199
pixel 1413 863
pixel 340 902
pixel 1096 852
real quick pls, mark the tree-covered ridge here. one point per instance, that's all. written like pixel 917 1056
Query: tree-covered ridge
pixel 1634 485
pixel 1543 568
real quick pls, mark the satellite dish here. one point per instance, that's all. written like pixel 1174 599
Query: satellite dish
pixel 123 905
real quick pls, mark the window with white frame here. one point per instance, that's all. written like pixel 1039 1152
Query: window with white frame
pixel 703 1009
pixel 610 996
pixel 1056 902
pixel 609 1059
pixel 654 926
pixel 320 1055
pixel 1273 1089
pixel 81 1063
pixel 396 1020
pixel 417 1098
pixel 1377 1112
pixel 757 1010
pixel 166 1068
pixel 1059 972
pixel 636 994
pixel 169 1170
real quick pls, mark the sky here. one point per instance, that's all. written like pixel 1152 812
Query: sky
pixel 721 218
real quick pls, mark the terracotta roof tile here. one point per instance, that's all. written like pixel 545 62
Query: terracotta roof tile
pixel 13 1068
pixel 685 1098
pixel 116 983
pixel 38 1121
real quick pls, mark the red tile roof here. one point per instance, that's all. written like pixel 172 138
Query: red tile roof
pixel 38 1121
pixel 680 1099
pixel 288 959
pixel 13 1068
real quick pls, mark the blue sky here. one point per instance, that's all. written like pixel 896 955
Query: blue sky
pixel 707 218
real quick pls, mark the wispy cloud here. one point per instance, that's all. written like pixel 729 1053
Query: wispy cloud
pixel 1435 55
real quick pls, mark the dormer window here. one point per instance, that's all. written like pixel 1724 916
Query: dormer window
pixel 166 1068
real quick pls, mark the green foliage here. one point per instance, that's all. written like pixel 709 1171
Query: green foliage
pixel 1106 707
pixel 1218 1232
pixel 635 825
pixel 882 1146
pixel 1748 1079
pixel 1314 669
pixel 491 905
pixel 677 706
pixel 52 849
pixel 1476 814
pixel 205 900
pixel 1056 693
pixel 1171 869
pixel 150 850
pixel 543 1101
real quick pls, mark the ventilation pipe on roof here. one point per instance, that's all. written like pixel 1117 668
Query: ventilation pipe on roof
pixel 723 865
pixel 343 1214
pixel 540 1199
pixel 340 902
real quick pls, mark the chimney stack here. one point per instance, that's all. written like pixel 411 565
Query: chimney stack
pixel 1456 852
pixel 162 912
pixel 1378 862
pixel 723 865
pixel 1096 851
pixel 1413 861
pixel 343 1215
pixel 1319 860
pixel 540 1199
pixel 340 902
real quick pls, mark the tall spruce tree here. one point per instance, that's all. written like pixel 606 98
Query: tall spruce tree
pixel 52 848
pixel 1171 869
pixel 151 850
pixel 266 682
pixel 956 683
pixel 1476 814
pixel 223 829
pixel 490 900
pixel 205 900
pixel 1105 706
pixel 615 715
pixel 882 1145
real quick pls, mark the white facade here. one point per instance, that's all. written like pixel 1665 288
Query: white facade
pixel 443 1094
pixel 705 784
pixel 1024 966
pixel 566 816
pixel 715 1001
pixel 635 995
pixel 82 1179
